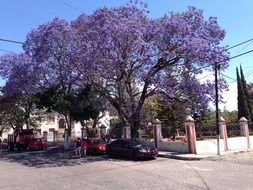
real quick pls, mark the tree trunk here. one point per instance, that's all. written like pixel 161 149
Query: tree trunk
pixel 135 121
pixel 67 131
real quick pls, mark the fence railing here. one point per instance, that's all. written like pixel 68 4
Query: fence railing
pixel 202 132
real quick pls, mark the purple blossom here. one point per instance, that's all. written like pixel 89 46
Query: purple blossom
pixel 127 55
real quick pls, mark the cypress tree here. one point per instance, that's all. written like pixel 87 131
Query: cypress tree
pixel 243 110
pixel 246 92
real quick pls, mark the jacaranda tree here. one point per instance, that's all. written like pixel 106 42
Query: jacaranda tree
pixel 129 57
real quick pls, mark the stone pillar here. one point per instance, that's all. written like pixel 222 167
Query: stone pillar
pixel 191 134
pixel 223 132
pixel 177 130
pixel 102 131
pixel 83 132
pixel 55 136
pixel 157 131
pixel 126 131
pixel 244 129
pixel 45 136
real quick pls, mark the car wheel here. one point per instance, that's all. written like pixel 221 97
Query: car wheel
pixel 110 154
pixel 135 156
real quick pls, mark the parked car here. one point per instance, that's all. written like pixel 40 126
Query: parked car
pixel 4 144
pixel 37 144
pixel 131 148
pixel 95 146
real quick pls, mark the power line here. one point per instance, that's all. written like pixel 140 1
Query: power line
pixel 7 51
pixel 241 54
pixel 222 61
pixel 205 76
pixel 228 77
pixel 232 79
pixel 11 41
pixel 240 44
pixel 71 6
pixel 244 47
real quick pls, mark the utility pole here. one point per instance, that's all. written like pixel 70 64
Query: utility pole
pixel 216 69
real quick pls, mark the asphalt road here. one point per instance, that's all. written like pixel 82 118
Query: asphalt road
pixel 58 169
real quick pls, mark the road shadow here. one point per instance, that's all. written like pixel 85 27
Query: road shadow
pixel 53 157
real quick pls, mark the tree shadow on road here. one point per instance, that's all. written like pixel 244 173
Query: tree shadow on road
pixel 53 157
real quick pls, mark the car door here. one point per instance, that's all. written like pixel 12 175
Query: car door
pixel 126 150
pixel 116 147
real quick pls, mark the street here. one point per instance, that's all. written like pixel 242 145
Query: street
pixel 55 169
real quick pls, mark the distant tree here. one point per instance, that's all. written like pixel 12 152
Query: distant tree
pixel 115 128
pixel 15 111
pixel 79 105
pixel 243 107
pixel 230 116
pixel 246 92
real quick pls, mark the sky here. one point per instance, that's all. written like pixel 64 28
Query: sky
pixel 19 17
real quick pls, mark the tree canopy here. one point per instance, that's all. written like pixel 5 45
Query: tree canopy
pixel 127 56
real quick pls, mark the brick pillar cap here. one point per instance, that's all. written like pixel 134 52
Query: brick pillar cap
pixel 157 121
pixel 189 119
pixel 221 119
pixel 243 119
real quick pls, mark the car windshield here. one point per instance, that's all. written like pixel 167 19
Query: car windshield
pixel 95 141
pixel 135 142
pixel 99 141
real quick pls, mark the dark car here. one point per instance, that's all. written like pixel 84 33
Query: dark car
pixel 131 148
pixel 95 146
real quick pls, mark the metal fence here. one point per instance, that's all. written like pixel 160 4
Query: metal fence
pixel 202 132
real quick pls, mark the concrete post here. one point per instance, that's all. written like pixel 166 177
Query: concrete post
pixel 45 136
pixel 55 136
pixel 126 131
pixel 157 131
pixel 244 129
pixel 83 132
pixel 191 134
pixel 223 132
pixel 102 131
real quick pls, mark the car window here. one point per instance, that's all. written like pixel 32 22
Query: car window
pixel 134 142
pixel 88 141
pixel 99 141
pixel 118 143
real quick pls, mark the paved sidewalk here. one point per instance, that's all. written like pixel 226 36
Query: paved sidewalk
pixel 186 156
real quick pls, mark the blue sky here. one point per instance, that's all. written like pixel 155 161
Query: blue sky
pixel 18 17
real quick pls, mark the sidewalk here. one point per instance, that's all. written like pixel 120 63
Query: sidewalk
pixel 186 156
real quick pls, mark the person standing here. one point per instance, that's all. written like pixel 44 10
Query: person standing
pixel 78 147
pixel 83 148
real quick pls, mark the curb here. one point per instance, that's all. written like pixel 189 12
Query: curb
pixel 177 157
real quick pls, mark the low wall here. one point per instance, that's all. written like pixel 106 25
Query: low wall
pixel 237 143
pixel 234 144
pixel 170 146
pixel 173 146
pixel 204 146
pixel 209 146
